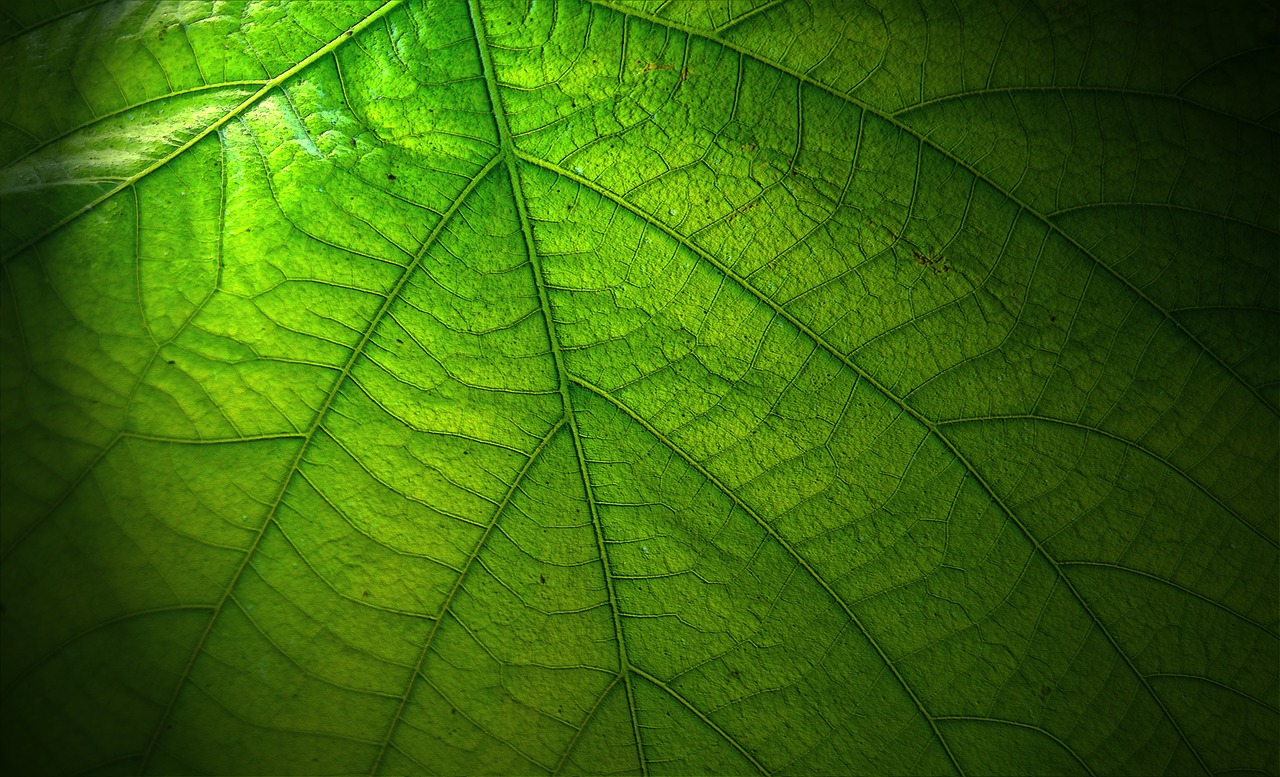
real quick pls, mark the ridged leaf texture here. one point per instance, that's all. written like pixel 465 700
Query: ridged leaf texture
pixel 640 387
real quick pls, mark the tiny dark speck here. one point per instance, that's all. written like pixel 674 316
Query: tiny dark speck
pixel 1044 692
pixel 171 361
pixel 391 176
pixel 398 340
pixel 1053 318
pixel 353 142
pixel 542 578
pixel 452 710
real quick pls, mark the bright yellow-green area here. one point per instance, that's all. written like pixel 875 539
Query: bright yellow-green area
pixel 659 387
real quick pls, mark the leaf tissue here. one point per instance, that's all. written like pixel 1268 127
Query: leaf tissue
pixel 656 387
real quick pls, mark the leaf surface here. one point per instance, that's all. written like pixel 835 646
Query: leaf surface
pixel 481 387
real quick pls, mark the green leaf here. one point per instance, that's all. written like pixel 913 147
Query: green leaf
pixel 650 387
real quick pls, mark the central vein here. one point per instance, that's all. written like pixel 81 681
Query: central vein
pixel 508 152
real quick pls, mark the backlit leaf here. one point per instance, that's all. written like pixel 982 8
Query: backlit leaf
pixel 640 386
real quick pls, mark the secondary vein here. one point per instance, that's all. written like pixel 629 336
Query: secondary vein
pixel 244 105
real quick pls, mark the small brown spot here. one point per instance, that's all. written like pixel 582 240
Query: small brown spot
pixel 391 176
pixel 349 32
pixel 365 595
pixel 1052 319
pixel 452 710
